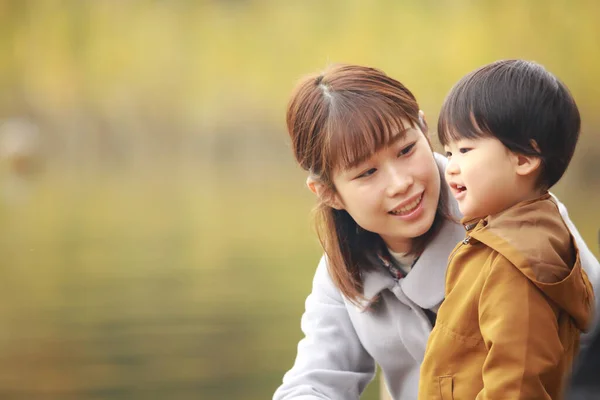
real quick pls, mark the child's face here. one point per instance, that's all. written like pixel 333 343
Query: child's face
pixel 482 176
pixel 395 192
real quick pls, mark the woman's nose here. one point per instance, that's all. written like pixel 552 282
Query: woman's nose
pixel 398 182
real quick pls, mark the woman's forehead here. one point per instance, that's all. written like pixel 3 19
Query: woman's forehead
pixel 364 153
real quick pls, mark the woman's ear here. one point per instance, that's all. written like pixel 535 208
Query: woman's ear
pixel 423 123
pixel 324 193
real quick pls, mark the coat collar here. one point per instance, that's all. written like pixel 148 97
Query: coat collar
pixel 425 283
pixel 374 282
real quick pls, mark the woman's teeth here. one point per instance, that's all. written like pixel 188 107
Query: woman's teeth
pixel 408 208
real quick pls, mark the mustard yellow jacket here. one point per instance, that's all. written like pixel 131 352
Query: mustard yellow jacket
pixel 516 302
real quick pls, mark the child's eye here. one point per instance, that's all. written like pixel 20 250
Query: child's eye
pixel 367 173
pixel 448 154
pixel 464 150
pixel 406 150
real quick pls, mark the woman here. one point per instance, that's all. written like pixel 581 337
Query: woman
pixel 385 221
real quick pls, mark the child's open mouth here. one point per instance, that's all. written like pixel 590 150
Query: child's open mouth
pixel 458 190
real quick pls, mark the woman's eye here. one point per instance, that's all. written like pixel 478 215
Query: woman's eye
pixel 406 150
pixel 367 173
pixel 464 150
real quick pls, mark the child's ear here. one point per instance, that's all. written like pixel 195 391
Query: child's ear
pixel 423 123
pixel 324 193
pixel 527 165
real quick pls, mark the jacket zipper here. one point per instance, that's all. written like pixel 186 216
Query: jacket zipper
pixel 465 241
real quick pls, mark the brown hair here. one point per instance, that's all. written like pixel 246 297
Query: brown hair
pixel 337 119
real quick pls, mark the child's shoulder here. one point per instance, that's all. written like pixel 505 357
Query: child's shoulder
pixel 534 237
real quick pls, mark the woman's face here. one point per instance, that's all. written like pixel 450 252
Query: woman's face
pixel 394 193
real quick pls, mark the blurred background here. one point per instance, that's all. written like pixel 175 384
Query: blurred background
pixel 156 239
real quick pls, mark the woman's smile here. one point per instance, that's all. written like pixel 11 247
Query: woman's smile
pixel 407 209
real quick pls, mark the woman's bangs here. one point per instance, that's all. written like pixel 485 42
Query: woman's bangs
pixel 355 134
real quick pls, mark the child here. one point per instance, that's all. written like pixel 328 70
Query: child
pixel 517 298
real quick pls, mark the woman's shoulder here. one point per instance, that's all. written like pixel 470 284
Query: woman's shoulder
pixel 323 285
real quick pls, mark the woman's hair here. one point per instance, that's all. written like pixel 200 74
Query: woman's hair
pixel 521 104
pixel 336 119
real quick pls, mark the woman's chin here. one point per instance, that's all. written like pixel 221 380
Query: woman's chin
pixel 421 227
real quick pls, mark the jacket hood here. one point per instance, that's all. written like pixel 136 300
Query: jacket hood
pixel 533 236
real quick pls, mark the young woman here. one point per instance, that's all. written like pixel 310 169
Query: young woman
pixel 387 226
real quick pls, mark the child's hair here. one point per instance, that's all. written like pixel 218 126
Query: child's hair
pixel 521 104
pixel 337 119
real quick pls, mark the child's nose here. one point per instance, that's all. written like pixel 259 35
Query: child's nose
pixel 452 167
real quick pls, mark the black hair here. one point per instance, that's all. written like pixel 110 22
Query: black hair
pixel 521 104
